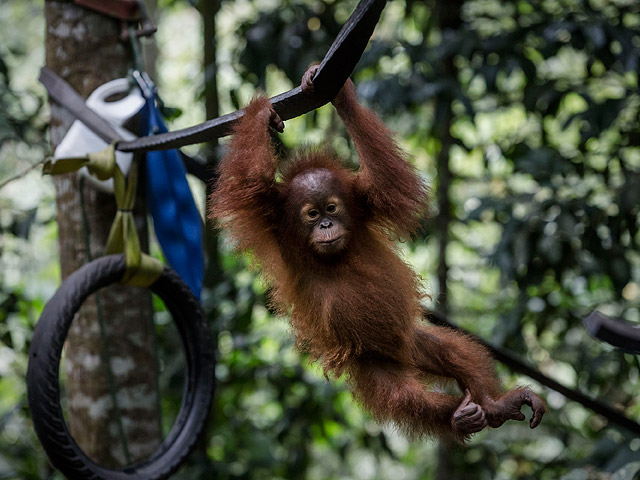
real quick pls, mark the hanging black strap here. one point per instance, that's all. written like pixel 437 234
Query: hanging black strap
pixel 335 68
pixel 617 332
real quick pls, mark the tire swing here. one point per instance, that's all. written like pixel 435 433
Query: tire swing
pixel 46 350
pixel 44 361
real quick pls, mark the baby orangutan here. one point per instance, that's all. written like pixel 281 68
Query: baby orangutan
pixel 324 237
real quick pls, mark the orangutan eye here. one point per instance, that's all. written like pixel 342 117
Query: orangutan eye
pixel 313 213
pixel 331 208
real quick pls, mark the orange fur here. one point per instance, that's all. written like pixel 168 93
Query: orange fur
pixel 356 314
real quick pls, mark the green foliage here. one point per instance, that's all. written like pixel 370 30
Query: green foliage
pixel 24 220
pixel 544 228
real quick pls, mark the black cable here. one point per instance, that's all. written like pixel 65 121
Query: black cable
pixel 517 365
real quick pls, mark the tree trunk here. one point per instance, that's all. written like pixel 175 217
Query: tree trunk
pixel 209 10
pixel 110 361
pixel 448 16
pixel 443 220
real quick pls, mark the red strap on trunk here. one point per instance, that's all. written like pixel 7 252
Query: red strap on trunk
pixel 127 10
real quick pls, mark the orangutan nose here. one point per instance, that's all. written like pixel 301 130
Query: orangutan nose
pixel 326 223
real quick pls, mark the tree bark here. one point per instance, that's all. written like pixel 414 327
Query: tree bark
pixel 111 373
pixel 448 17
pixel 443 220
pixel 209 10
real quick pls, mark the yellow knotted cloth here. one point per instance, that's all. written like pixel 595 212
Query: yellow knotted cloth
pixel 142 269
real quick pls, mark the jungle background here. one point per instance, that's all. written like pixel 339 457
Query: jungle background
pixel 523 117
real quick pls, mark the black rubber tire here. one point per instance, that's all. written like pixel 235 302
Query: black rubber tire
pixel 44 363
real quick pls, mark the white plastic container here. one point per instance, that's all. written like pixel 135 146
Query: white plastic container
pixel 80 140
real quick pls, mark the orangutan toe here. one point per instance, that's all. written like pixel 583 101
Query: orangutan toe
pixel 509 405
pixel 537 405
pixel 307 79
pixel 469 417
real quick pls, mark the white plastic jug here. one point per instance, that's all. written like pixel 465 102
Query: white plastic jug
pixel 80 140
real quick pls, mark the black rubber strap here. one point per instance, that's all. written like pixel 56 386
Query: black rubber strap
pixel 335 68
pixel 618 333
